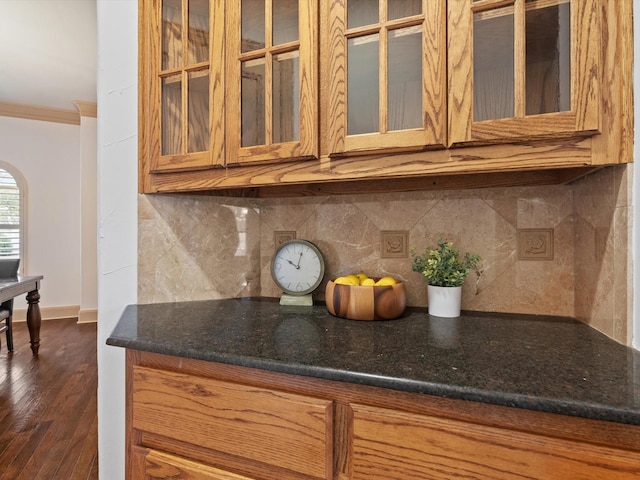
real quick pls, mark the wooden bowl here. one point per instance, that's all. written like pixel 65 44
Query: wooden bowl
pixel 363 302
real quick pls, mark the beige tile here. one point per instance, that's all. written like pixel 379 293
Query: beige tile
pixel 193 247
pixel 397 211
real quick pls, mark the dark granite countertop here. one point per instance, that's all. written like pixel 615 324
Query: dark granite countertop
pixel 550 364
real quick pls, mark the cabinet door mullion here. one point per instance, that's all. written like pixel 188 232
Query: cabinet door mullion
pixel 383 65
pixel 519 61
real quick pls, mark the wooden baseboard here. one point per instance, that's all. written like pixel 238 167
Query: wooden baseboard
pixel 53 313
pixel 88 315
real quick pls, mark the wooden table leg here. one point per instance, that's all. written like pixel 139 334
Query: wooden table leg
pixel 34 319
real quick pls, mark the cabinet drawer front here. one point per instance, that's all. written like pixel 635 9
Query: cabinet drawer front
pixel 399 445
pixel 158 465
pixel 275 428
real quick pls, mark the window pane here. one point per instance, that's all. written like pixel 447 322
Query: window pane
pixel 361 12
pixel 253 103
pixel 548 54
pixel 493 64
pixel 9 242
pixel 199 111
pixel 253 34
pixel 403 8
pixel 363 85
pixel 198 31
pixel 405 78
pixel 9 216
pixel 171 34
pixel 285 21
pixel 171 114
pixel 286 94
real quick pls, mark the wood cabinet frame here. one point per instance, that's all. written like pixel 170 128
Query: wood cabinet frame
pixel 150 91
pixel 307 46
pixel 433 133
pixel 551 156
pixel 582 119
pixel 361 415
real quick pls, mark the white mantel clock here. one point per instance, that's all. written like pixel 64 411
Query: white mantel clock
pixel 297 268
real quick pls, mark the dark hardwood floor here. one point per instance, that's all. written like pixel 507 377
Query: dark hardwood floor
pixel 48 404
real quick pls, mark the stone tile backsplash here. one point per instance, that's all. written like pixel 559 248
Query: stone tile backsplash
pixel 197 247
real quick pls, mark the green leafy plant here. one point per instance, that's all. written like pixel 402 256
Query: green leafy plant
pixel 442 266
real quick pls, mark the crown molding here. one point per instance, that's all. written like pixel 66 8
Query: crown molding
pixel 29 112
pixel 86 109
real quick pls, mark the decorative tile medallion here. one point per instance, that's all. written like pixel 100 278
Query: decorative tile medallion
pixel 394 244
pixel 279 237
pixel 535 244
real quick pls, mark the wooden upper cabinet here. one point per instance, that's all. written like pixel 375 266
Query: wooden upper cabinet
pixel 298 97
pixel 388 75
pixel 523 69
pixel 181 97
pixel 272 92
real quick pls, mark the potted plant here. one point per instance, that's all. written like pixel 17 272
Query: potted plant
pixel 444 273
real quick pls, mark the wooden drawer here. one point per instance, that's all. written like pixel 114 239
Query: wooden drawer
pixel 274 428
pixel 389 444
pixel 151 464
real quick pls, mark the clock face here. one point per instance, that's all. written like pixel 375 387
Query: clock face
pixel 297 267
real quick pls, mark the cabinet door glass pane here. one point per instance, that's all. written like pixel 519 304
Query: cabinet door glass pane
pixel 198 31
pixel 171 115
pixel 405 78
pixel 493 64
pixel 286 92
pixel 252 102
pixel 198 111
pixel 403 8
pixel 363 85
pixel 171 34
pixel 285 21
pixel 548 58
pixel 361 12
pixel 253 31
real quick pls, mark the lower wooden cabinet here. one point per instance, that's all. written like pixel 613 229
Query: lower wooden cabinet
pixel 390 444
pixel 199 420
pixel 150 464
pixel 267 428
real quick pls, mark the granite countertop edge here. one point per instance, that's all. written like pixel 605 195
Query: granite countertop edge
pixel 549 405
pixel 565 406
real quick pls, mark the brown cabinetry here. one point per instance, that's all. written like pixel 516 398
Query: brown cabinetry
pixel 201 420
pixel 391 444
pixel 181 85
pixel 271 98
pixel 523 69
pixel 388 75
pixel 268 428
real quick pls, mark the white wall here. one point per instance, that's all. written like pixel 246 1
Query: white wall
pixel 117 214
pixel 48 156
pixel 88 220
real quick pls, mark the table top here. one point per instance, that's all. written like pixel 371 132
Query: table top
pixel 551 364
pixel 20 280
pixel 12 287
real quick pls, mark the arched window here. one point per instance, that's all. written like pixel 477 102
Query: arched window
pixel 11 214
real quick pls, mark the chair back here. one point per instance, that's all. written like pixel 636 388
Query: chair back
pixel 9 268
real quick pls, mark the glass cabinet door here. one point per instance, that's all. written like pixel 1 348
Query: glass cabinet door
pixel 522 69
pixel 271 74
pixel 387 75
pixel 185 107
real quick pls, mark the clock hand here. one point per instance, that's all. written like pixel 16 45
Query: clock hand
pixel 297 266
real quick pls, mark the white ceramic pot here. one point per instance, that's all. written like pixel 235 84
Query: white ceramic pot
pixel 444 301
